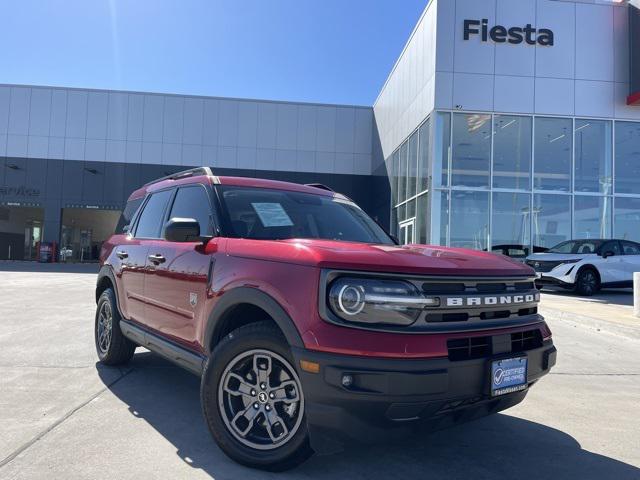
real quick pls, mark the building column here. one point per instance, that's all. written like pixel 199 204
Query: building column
pixel 52 221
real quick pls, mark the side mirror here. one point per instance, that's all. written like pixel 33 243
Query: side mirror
pixel 182 230
pixel 608 254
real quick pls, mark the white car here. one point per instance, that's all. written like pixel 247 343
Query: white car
pixel 585 266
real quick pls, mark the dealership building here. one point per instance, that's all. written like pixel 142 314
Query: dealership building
pixel 503 122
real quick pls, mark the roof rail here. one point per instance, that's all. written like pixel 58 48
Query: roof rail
pixel 320 186
pixel 183 174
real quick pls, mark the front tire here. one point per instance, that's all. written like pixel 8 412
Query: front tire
pixel 112 346
pixel 587 282
pixel 253 402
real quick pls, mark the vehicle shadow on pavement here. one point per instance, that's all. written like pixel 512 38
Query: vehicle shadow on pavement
pixel 501 446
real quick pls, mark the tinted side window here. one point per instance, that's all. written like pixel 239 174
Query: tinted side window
pixel 193 202
pixel 127 215
pixel 611 247
pixel 152 216
pixel 631 248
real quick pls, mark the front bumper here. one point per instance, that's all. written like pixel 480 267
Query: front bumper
pixel 563 275
pixel 549 281
pixel 390 398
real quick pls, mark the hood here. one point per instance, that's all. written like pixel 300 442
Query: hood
pixel 413 259
pixel 558 257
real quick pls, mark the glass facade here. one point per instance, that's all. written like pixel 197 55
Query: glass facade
pixel 512 152
pixel 494 181
pixel 471 150
pixel 469 219
pixel 409 174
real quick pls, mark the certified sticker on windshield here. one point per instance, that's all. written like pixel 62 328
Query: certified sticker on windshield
pixel 272 214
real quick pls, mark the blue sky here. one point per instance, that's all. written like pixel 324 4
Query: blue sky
pixel 330 51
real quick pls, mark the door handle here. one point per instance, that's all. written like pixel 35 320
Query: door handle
pixel 122 254
pixel 157 258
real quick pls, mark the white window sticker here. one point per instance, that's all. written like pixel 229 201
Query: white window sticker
pixel 272 214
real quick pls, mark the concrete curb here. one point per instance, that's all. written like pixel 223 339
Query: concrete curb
pixel 597 324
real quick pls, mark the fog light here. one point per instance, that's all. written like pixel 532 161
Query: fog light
pixel 347 381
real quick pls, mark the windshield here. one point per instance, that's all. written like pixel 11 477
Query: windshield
pixel 269 214
pixel 577 247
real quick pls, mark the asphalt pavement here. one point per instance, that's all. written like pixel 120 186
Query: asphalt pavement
pixel 63 416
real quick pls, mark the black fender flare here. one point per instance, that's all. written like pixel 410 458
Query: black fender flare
pixel 106 271
pixel 251 296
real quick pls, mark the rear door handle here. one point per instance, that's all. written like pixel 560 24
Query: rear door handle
pixel 157 258
pixel 122 254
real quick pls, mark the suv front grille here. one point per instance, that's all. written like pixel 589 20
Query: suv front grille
pixel 542 266
pixel 479 300
pixel 475 301
pixel 473 348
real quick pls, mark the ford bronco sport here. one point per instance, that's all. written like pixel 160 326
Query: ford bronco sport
pixel 309 326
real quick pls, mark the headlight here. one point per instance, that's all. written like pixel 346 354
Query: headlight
pixel 568 262
pixel 390 302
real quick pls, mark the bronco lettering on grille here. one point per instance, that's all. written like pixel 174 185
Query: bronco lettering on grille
pixel 495 300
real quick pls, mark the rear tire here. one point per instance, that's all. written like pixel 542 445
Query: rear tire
pixel 587 282
pixel 252 400
pixel 112 346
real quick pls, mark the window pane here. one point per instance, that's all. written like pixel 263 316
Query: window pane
pixel 612 247
pixel 153 214
pixel 442 136
pixel 127 214
pixel 402 173
pixel 439 217
pixel 551 220
pixel 421 219
pixel 402 212
pixel 553 154
pixel 593 156
pixel 395 168
pixel 412 162
pixel 411 209
pixel 627 157
pixel 193 202
pixel 627 219
pixel 592 217
pixel 423 158
pixel 630 248
pixel 394 222
pixel 511 219
pixel 471 150
pixel 469 219
pixel 512 152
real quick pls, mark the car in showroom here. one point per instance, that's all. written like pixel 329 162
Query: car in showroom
pixel 310 328
pixel 586 266
pixel 518 252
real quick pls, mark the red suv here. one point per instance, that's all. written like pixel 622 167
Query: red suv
pixel 309 326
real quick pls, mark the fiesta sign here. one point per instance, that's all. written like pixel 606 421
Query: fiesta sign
pixel 513 35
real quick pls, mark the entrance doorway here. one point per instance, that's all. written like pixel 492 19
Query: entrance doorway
pixel 20 232
pixel 407 232
pixel 83 232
